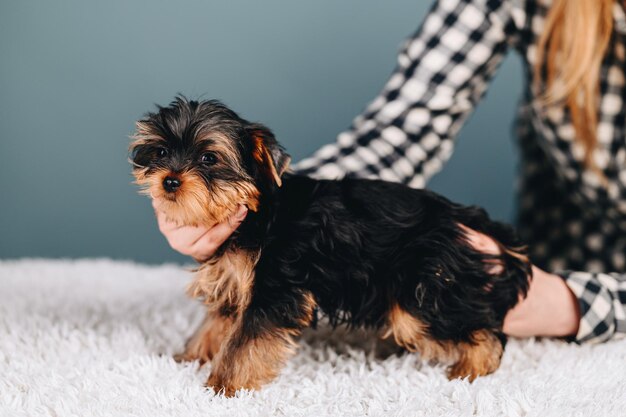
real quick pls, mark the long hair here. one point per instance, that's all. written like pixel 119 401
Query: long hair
pixel 570 51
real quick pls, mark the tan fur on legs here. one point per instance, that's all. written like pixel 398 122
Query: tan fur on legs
pixel 225 283
pixel 412 334
pixel 249 362
pixel 469 359
pixel 478 359
pixel 206 342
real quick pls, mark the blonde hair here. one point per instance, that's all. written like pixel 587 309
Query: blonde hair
pixel 569 58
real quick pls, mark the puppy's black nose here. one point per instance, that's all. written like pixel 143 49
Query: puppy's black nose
pixel 171 184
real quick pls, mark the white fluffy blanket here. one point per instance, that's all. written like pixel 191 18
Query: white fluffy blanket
pixel 95 338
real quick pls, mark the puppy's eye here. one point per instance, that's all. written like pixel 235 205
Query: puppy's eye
pixel 208 158
pixel 162 152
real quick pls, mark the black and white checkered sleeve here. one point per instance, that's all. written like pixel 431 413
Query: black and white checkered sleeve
pixel 406 133
pixel 602 302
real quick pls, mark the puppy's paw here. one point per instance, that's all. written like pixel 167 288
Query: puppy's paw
pixel 183 357
pixel 480 357
pixel 462 370
pixel 474 367
pixel 220 387
pixel 189 357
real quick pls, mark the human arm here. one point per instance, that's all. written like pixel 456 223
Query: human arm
pixel 601 299
pixel 406 134
pixel 584 307
pixel 549 309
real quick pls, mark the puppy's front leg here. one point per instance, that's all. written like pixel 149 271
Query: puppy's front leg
pixel 205 343
pixel 258 346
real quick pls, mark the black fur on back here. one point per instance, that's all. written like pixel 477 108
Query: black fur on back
pixel 358 245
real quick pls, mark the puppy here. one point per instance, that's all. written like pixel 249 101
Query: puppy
pixel 364 253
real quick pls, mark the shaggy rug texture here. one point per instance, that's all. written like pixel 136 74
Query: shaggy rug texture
pixel 96 338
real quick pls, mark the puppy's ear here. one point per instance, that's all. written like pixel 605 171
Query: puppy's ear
pixel 138 145
pixel 267 152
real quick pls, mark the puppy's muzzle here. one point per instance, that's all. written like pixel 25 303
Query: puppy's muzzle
pixel 171 184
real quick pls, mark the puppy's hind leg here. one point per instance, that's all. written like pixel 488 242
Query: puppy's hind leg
pixel 412 334
pixel 477 357
pixel 481 356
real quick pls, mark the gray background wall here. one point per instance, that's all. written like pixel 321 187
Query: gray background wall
pixel 75 74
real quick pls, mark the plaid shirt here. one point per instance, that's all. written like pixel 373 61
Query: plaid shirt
pixel 571 221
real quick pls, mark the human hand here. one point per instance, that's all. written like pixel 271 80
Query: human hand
pixel 199 242
pixel 549 308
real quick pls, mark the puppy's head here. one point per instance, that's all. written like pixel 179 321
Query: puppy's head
pixel 201 160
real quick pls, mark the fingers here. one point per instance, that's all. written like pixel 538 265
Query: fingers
pixel 236 219
pixel 199 242
pixel 203 247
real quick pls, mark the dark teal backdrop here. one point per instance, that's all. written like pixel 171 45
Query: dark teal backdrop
pixel 75 74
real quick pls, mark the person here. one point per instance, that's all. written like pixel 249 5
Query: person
pixel 571 129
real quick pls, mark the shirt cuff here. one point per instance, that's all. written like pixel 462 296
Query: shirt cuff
pixel 597 306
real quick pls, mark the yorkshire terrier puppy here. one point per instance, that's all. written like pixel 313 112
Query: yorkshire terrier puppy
pixel 364 253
